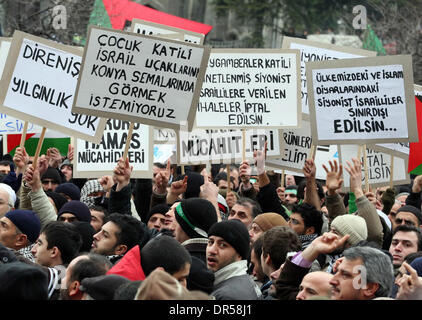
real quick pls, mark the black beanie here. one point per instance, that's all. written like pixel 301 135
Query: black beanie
pixel 58 199
pixel 413 210
pixel 87 234
pixel 200 277
pixel 69 189
pixel 195 213
pixel 79 209
pixel 159 208
pixel 52 173
pixel 235 233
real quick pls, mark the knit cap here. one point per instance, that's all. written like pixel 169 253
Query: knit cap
pixel 159 208
pixel 79 209
pixel 415 211
pixel 57 198
pixel 69 189
pixel 352 225
pixel 52 173
pixel 27 222
pixel 195 216
pixel 270 219
pixel 235 233
pixel 103 287
pixel 10 191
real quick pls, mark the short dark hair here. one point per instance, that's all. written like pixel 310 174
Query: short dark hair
pixel 406 228
pixel 95 265
pixel 131 230
pixel 160 165
pixel 277 242
pixel 256 208
pixel 257 247
pixel 310 215
pixel 97 207
pixel 65 237
pixel 166 252
pixel 222 176
pixel 5 163
pixel 301 190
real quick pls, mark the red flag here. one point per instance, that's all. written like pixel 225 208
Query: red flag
pixel 415 152
pixel 121 10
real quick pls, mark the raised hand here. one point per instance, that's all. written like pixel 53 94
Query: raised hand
pixel 309 169
pixel 324 244
pixel 54 157
pixel 162 179
pixel 21 160
pixel 355 172
pixel 122 173
pixel 32 178
pixel 333 179
pixel 410 285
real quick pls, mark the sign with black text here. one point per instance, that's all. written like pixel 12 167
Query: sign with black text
pixel 140 78
pixel 363 100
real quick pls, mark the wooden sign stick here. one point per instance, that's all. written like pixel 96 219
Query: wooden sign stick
pixel 283 177
pixel 313 151
pixel 391 171
pixel 365 165
pixel 37 152
pixel 128 140
pixel 228 178
pixel 23 136
pixel 243 145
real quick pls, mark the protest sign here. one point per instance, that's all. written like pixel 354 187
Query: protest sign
pixel 39 79
pixel 151 28
pixel 163 152
pixel 250 88
pixel 397 149
pixel 10 125
pixel 363 100
pixel 95 160
pixel 225 146
pixel 4 51
pixel 378 166
pixel 318 51
pixel 164 135
pixel 140 78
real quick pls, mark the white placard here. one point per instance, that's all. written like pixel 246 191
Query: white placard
pixel 225 146
pixel 4 51
pixel 41 77
pixel 164 135
pixel 140 78
pixel 11 125
pixel 250 88
pixel 95 160
pixel 378 164
pixel 363 100
pixel 163 152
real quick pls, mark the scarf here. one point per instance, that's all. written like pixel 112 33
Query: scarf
pixel 238 268
pixel 89 187
pixel 306 239
pixel 333 259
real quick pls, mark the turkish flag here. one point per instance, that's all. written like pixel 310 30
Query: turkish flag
pixel 121 10
pixel 415 152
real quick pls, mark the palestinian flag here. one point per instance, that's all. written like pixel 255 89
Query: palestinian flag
pixel 415 153
pixel 51 139
pixel 372 42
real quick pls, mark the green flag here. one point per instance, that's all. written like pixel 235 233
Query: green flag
pixel 417 171
pixel 372 42
pixel 99 17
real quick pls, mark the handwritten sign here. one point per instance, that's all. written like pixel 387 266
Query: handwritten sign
pixel 317 51
pixel 40 78
pixel 140 78
pixel 95 160
pixel 164 135
pixel 379 167
pixel 151 28
pixel 369 100
pixel 225 146
pixel 250 88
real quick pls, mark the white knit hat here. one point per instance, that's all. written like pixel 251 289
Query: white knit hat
pixel 352 225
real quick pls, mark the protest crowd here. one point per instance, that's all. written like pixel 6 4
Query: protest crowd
pixel 108 222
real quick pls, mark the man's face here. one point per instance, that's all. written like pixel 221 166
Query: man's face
pixel 290 180
pixel 97 219
pixel 156 221
pixel 290 198
pixel 402 244
pixel 315 284
pixel 155 170
pixel 343 283
pixel 105 241
pixel 408 218
pixel 235 175
pixel 49 184
pixel 257 268
pixel 67 217
pixel 66 284
pixel 170 220
pixel 267 269
pixel 220 253
pixel 222 185
pixel 182 274
pixel 4 169
pixel 254 232
pixel 297 224
pixel 8 233
pixel 393 213
pixel 67 171
pixel 4 203
pixel 242 213
pixel 42 255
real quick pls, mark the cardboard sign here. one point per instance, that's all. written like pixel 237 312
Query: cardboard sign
pixel 365 100
pixel 418 90
pixel 401 150
pixel 9 125
pixel 5 44
pixel 39 81
pixel 96 160
pixel 297 147
pixel 163 152
pixel 140 78
pixel 163 136
pixel 250 88
pixel 225 146
pixel 379 167
pixel 317 51
pixel 152 28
